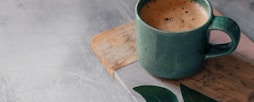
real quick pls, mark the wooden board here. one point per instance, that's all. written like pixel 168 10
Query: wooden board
pixel 226 79
pixel 116 48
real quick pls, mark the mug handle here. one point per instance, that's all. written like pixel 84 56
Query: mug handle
pixel 231 28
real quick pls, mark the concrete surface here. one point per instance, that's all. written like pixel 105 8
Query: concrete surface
pixel 45 53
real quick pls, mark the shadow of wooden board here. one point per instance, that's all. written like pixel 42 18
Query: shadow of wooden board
pixel 225 79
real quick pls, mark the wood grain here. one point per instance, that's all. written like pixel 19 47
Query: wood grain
pixel 116 48
pixel 226 79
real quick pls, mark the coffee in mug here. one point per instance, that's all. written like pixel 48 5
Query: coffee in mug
pixel 174 15
pixel 173 36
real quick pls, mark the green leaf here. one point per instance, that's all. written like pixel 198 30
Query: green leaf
pixel 156 94
pixel 159 94
pixel 190 95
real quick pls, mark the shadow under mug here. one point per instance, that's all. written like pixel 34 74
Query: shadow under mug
pixel 175 55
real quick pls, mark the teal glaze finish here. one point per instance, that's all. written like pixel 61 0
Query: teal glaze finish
pixel 230 27
pixel 176 55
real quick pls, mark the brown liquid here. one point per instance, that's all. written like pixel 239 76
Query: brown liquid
pixel 174 15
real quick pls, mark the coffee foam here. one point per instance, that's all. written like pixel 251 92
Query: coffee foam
pixel 174 15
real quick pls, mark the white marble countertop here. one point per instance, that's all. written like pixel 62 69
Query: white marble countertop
pixel 45 53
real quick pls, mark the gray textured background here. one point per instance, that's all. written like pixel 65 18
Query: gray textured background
pixel 45 53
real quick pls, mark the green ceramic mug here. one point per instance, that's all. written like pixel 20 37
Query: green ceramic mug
pixel 175 55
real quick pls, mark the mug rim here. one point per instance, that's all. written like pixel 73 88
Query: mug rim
pixel 210 14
